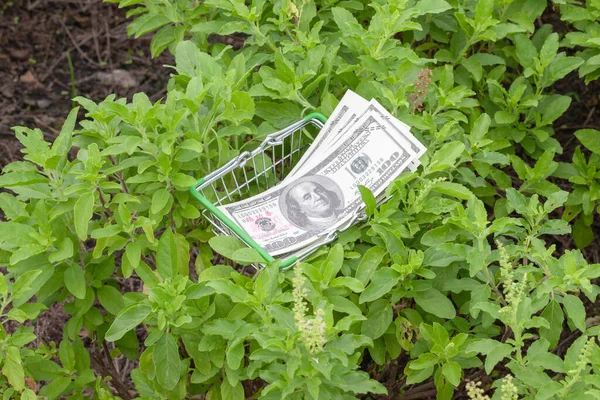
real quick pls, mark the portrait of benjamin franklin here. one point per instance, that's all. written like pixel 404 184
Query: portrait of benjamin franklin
pixel 312 203
pixel 360 164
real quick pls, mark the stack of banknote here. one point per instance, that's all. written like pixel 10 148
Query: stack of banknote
pixel 361 144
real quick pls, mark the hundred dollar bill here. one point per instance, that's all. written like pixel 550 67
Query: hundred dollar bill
pixel 342 127
pixel 294 214
pixel 349 107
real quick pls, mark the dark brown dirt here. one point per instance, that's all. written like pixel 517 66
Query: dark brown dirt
pixel 37 39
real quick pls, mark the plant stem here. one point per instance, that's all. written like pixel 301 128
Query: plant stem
pixel 72 74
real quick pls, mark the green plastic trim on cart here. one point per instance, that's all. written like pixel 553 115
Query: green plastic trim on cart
pixel 316 115
pixel 233 226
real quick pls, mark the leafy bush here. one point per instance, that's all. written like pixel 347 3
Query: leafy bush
pixel 456 277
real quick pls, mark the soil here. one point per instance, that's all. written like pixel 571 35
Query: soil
pixel 40 40
pixel 53 50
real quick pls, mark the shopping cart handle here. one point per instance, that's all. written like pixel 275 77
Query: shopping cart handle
pixel 316 115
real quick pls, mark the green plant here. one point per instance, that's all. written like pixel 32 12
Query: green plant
pixel 584 17
pixel 582 201
pixel 456 276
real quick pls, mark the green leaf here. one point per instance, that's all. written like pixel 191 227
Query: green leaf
pixel 555 200
pixel 453 372
pixel 21 178
pixel 582 234
pixel 483 14
pixel 344 305
pixel 111 299
pixel 313 385
pixel 57 387
pixel 549 49
pixel 525 50
pixel 235 353
pixel 28 394
pixel 441 234
pixel 234 27
pixel 75 281
pixel 495 354
pixel 67 354
pixel 12 208
pixel 553 107
pixel 561 66
pixel 266 282
pixel 480 127
pixel 237 293
pixel 222 327
pixel 284 68
pixel 229 392
pixel 215 272
pixel 241 107
pixel 369 264
pixel 247 256
pixel 162 39
pixel 83 211
pixel 554 315
pixel 431 7
pixel 590 138
pixel 17 234
pixel 208 26
pixel 23 283
pixel 343 18
pixel 203 64
pixel 106 232
pixel 36 149
pixel 183 181
pixel 503 117
pixel 62 143
pixel 131 258
pixel 418 376
pixel 474 67
pixel 381 283
pixel 160 198
pixel 446 156
pixel 25 252
pixel 279 115
pixel 369 199
pixel 226 245
pixel 545 165
pixel 128 318
pixel 378 320
pixel 346 281
pixel 434 302
pixel 13 369
pixel 575 311
pixel 64 251
pixel 333 263
pixel 3 286
pixel 147 23
pixel 424 361
pixel 517 201
pixel 166 361
pixel 172 256
pixel 453 189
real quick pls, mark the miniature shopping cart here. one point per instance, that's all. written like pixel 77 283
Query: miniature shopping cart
pixel 253 172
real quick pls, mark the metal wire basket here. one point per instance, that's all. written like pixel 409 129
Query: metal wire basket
pixel 253 172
